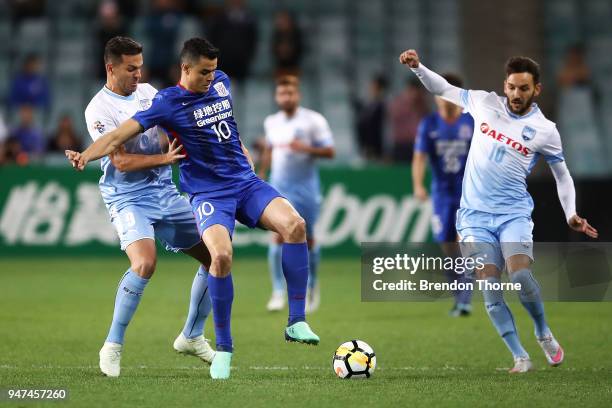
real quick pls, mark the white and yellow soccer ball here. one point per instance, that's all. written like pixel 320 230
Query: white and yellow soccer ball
pixel 354 359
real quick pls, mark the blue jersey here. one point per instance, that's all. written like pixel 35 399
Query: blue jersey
pixel 447 146
pixel 204 124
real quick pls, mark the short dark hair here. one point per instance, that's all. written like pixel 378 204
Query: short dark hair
pixel 288 80
pixel 517 65
pixel 118 46
pixel 453 79
pixel 196 47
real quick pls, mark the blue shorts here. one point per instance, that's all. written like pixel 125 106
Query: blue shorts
pixel 444 218
pixel 244 203
pixel 166 216
pixel 494 237
pixel 308 207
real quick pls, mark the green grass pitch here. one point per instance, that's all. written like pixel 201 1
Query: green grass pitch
pixel 54 315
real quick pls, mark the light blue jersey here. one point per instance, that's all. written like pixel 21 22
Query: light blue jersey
pixel 504 149
pixel 142 204
pixel 106 111
pixel 294 174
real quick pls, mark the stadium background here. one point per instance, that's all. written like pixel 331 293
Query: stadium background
pixel 340 49
pixel 59 260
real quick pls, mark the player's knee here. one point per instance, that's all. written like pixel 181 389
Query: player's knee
pixel 487 271
pixel 518 262
pixel 144 267
pixel 296 230
pixel 222 263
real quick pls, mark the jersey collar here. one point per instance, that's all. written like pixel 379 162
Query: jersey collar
pixel 130 97
pixel 181 87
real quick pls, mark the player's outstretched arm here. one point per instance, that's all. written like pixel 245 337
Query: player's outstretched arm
pixel 105 145
pixel 433 82
pixel 124 161
pixel 567 197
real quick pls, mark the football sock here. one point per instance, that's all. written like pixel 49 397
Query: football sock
pixel 222 295
pixel 129 292
pixel 199 305
pixel 502 319
pixel 276 267
pixel 314 256
pixel 464 296
pixel 532 300
pixel 295 268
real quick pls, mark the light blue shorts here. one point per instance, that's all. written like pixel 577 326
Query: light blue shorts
pixel 494 237
pixel 166 216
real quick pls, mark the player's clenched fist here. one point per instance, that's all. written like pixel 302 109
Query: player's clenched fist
pixel 410 58
pixel 75 159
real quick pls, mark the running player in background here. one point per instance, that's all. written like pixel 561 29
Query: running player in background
pixel 295 138
pixel 495 215
pixel 143 203
pixel 443 139
pixel 218 175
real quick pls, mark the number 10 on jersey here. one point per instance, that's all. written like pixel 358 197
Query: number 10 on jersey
pixel 222 130
pixel 497 154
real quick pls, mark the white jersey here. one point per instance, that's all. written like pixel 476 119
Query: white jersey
pixel 292 170
pixel 504 149
pixel 105 112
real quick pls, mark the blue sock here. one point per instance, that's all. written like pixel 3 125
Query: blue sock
pixel 199 305
pixel 295 268
pixel 129 292
pixel 276 267
pixel 222 295
pixel 532 300
pixel 502 319
pixel 314 256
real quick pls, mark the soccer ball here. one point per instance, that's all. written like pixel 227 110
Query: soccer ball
pixel 354 359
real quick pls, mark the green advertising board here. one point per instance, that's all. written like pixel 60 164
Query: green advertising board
pixel 57 211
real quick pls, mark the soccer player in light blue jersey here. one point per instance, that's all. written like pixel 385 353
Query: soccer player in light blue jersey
pixel 143 203
pixel 218 175
pixel 443 139
pixel 494 219
pixel 295 138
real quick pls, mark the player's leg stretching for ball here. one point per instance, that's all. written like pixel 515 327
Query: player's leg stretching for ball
pixel 262 205
pixel 309 211
pixel 510 239
pixel 280 216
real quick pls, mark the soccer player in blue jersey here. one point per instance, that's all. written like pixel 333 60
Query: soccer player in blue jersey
pixel 494 219
pixel 143 203
pixel 295 138
pixel 218 175
pixel 444 139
